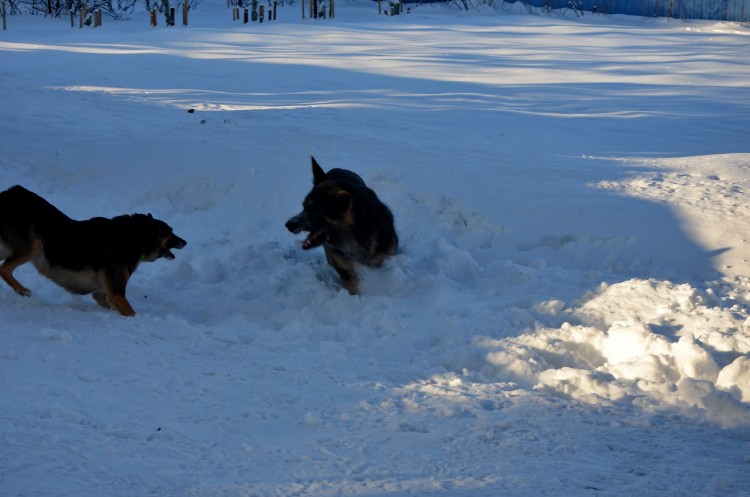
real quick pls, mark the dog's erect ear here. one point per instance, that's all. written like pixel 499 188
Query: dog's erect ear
pixel 150 216
pixel 318 174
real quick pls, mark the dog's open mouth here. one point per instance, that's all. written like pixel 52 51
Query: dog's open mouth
pixel 158 254
pixel 172 242
pixel 314 239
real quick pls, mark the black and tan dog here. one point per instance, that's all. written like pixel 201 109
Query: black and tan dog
pixel 347 218
pixel 96 256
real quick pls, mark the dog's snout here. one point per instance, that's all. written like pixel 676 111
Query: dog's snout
pixel 177 242
pixel 294 225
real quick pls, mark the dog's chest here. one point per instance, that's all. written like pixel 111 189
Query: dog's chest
pixel 351 248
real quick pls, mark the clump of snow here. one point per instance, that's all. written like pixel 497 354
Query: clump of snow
pixel 735 378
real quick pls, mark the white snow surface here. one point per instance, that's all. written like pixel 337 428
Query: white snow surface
pixel 568 313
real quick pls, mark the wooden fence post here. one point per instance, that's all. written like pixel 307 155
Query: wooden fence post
pixel 303 8
pixel 5 26
pixel 274 9
pixel 83 15
pixel 153 17
pixel 185 9
pixel 380 11
pixel 331 12
pixel 97 18
pixel 261 10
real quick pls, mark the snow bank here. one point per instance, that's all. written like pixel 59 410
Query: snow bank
pixel 637 341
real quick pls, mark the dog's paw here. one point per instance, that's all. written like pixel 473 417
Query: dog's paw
pixel 127 312
pixel 23 292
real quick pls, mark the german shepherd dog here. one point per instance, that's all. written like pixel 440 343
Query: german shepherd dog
pixel 347 218
pixel 96 256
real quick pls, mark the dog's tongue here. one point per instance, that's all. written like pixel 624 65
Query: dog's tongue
pixel 313 240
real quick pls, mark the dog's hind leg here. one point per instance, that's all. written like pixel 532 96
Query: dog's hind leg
pixel 345 267
pixel 114 283
pixel 6 273
pixel 13 261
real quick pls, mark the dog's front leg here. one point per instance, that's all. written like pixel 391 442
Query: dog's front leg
pixel 114 283
pixel 345 267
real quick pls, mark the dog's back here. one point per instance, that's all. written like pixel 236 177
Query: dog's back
pixel 22 215
pixel 26 219
pixel 18 203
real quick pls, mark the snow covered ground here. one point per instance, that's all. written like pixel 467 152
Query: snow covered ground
pixel 568 314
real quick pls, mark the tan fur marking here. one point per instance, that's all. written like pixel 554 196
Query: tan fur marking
pixel 349 214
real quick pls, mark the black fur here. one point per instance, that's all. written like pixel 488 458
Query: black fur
pixel 95 256
pixel 347 218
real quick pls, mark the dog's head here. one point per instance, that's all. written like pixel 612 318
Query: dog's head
pixel 157 238
pixel 326 210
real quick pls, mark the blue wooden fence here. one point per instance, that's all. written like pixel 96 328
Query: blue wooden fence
pixel 726 10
